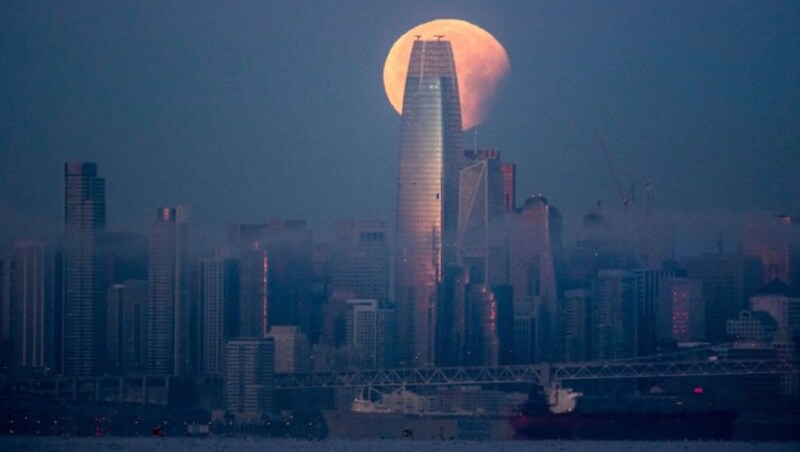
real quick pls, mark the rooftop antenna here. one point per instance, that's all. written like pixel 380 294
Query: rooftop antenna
pixel 417 37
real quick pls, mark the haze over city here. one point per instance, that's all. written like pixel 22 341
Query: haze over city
pixel 351 220
pixel 275 110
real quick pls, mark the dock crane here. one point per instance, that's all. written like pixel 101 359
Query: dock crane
pixel 626 198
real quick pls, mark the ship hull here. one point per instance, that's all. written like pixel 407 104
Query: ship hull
pixel 704 425
pixel 354 425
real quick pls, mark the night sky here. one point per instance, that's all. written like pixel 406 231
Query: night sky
pixel 245 111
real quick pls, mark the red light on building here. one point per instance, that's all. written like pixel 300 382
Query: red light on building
pixel 698 390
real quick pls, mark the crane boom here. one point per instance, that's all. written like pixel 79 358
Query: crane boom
pixel 626 198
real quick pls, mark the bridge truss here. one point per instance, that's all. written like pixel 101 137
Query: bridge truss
pixel 536 373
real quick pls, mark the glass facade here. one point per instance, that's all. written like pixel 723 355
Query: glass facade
pixel 429 159
pixel 84 285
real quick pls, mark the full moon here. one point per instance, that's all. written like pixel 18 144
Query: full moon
pixel 481 63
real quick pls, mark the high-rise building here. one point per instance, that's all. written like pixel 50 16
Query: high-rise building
pixel 126 335
pixel 84 282
pixel 613 316
pixel 574 320
pixel 727 280
pixel 32 305
pixel 360 260
pixel 429 159
pixel 275 275
pixel 771 239
pixel 6 349
pixel 532 247
pixel 168 310
pixel 509 171
pixel 249 377
pixel 219 289
pixel 648 287
pixel 5 299
pixel 362 328
pixel 481 235
pixel 681 310
pixel 292 350
pixel 483 253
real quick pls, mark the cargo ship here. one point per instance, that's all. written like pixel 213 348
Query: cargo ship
pixel 632 417
pixel 465 413
pixel 552 413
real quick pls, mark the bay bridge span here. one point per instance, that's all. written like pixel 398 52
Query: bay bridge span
pixel 156 389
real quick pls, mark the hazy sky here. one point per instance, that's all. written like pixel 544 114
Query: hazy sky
pixel 249 110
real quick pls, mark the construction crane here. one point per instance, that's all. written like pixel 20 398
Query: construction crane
pixel 626 198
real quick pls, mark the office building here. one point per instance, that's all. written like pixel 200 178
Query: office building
pixel 292 349
pixel 359 261
pixel 126 337
pixel 249 378
pixel 429 158
pixel 728 280
pixel 33 305
pixel 168 310
pixel 613 316
pixel 275 275
pixel 574 321
pixel 218 296
pixel 681 311
pixel 533 234
pixel 84 282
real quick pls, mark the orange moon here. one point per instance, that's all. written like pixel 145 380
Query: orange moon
pixel 481 63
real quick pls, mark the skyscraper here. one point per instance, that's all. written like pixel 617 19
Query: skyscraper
pixel 84 284
pixel 480 240
pixel 534 241
pixel 168 314
pixel 275 275
pixel 127 327
pixel 613 316
pixel 429 158
pixel 219 290
pixel 360 260
pixel 32 303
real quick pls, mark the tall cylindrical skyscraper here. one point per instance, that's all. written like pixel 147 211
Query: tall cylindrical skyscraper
pixel 429 159
pixel 84 285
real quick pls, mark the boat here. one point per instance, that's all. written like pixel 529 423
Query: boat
pixel 630 417
pixel 464 413
pixel 550 413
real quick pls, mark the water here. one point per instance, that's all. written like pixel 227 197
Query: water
pixel 89 444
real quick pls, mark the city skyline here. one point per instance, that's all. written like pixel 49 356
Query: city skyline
pixel 670 104
pixel 504 281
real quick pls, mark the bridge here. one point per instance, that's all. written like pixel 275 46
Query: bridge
pixel 155 389
pixel 535 373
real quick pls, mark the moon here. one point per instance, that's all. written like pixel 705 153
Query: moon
pixel 481 63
